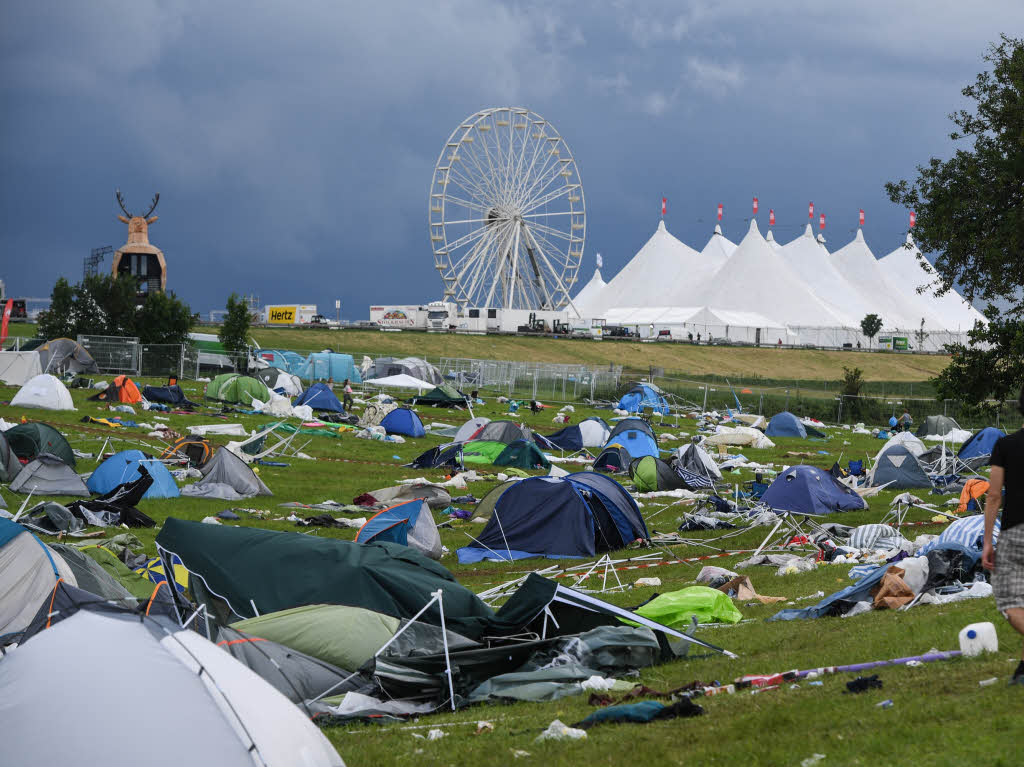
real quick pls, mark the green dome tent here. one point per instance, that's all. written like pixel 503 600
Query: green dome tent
pixel 28 440
pixel 649 474
pixel 238 389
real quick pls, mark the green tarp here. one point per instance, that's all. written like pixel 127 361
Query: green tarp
pixel 675 608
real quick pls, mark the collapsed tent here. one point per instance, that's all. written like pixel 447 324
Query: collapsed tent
pixel 650 474
pixel 124 467
pixel 442 455
pixel 435 496
pixel 573 516
pixel 785 424
pixel 413 367
pixel 936 424
pixel 18 368
pixel 168 395
pixel 501 431
pixel 739 436
pixel 810 490
pixel 29 570
pixel 320 397
pixel 193 450
pixel 695 459
pixel 62 355
pixel 237 389
pixel 230 715
pixel 44 391
pixel 48 475
pixel 644 396
pixel 227 477
pixel 280 381
pixel 408 524
pixel 443 395
pixel 403 421
pixel 323 366
pixel 980 445
pixel 374 413
pixel 591 432
pixel 897 468
pixel 28 440
pixel 10 466
pixel 122 389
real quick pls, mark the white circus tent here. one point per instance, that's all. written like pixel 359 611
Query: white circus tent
pixel 647 278
pixel 588 300
pixel 899 309
pixel 906 269
pixel 810 258
pixel 689 284
pixel 770 239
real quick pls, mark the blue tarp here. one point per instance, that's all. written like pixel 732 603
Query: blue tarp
pixel 124 467
pixel 981 442
pixel 320 366
pixel 403 421
pixel 810 490
pixel 785 424
pixel 320 397
pixel 643 396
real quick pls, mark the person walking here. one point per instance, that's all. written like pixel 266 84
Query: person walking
pixel 906 421
pixel 1005 560
pixel 346 389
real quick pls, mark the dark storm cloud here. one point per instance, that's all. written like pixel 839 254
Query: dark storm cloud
pixel 293 144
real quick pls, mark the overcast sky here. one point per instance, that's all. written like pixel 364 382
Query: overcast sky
pixel 293 143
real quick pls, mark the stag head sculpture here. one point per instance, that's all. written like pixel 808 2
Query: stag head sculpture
pixel 138 226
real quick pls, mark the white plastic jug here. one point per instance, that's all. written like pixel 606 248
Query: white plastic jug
pixel 978 638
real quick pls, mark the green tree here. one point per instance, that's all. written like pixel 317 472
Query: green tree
pixel 164 319
pixel 234 331
pixel 970 212
pixel 853 382
pixel 870 326
pixel 57 321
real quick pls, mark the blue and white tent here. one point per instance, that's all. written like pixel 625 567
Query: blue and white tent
pixel 590 432
pixel 968 532
pixel 981 443
pixel 124 467
pixel 409 524
pixel 320 397
pixel 643 396
pixel 897 468
pixel 810 490
pixel 785 424
pixel 320 366
pixel 290 362
pixel 404 421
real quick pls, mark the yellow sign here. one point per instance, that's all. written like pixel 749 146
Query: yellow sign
pixel 281 315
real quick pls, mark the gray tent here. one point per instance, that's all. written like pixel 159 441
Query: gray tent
pixel 47 474
pixel 10 466
pixel 936 424
pixel 228 478
pixel 412 366
pixel 222 713
pixel 62 355
pixel 435 496
pixel 694 458
pixel 900 467
pixel 91 576
pixel 28 572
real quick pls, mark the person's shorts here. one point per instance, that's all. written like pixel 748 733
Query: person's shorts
pixel 1008 577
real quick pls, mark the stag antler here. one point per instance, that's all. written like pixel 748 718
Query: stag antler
pixel 152 205
pixel 120 201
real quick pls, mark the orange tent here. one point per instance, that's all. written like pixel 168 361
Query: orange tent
pixel 122 389
pixel 973 490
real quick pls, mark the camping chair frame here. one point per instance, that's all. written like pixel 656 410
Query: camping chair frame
pixel 281 445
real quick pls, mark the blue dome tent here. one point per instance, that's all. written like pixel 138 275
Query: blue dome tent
pixel 785 424
pixel 810 490
pixel 124 467
pixel 408 524
pixel 320 366
pixel 643 396
pixel 981 443
pixel 403 421
pixel 320 397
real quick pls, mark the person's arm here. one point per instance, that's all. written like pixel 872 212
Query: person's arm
pixel 993 501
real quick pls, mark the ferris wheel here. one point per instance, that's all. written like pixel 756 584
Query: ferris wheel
pixel 507 214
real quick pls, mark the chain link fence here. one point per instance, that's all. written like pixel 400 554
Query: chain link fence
pixel 538 380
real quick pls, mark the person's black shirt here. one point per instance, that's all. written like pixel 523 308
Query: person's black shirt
pixel 1009 453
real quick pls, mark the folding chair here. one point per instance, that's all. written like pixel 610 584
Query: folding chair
pixel 254 448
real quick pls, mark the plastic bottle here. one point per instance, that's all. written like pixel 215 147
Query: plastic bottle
pixel 978 638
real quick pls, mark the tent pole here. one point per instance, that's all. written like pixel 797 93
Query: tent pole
pixel 444 640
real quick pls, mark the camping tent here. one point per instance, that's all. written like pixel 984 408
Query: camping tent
pixel 48 475
pixel 520 453
pixel 228 477
pixel 279 380
pixel 230 715
pixel 637 443
pixel 443 395
pixel 501 431
pixel 785 424
pixel 936 424
pixel 374 412
pixel 485 507
pixel 196 450
pixel 590 432
pixel 897 467
pixel 630 423
pixel 650 473
pixel 414 367
pixel 404 421
pixel 29 569
pixel 28 440
pixel 122 390
pixel 10 466
pixel 409 523
pixel 905 438
pixel 469 428
pixel 290 362
pixel 400 381
pixel 435 495
pixel 17 368
pixel 124 467
pixel 743 436
pixel 695 459
pixel 558 517
pixel 643 396
pixel 810 490
pixel 613 458
pixel 169 395
pixel 62 355
pixel 981 443
pixel 232 387
pixel 321 366
pixel 320 397
pixel 44 391
pixel 442 455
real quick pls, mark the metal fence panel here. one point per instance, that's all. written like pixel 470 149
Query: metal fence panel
pixel 113 354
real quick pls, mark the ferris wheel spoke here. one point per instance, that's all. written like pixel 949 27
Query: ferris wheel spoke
pixel 528 216
pixel 539 227
pixel 466 203
pixel 539 142
pixel 466 239
pixel 474 265
pixel 540 284
pixel 541 186
pixel 530 185
pixel 556 275
pixel 476 189
pixel 547 198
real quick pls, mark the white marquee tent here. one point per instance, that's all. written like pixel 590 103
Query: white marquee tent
pixel 588 301
pixel 809 257
pixel 647 278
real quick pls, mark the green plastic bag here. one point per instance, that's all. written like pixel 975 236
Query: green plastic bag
pixel 675 608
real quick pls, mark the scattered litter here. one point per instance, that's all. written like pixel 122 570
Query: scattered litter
pixel 817 683
pixel 211 521
pixel 518 753
pixel 863 684
pixel 559 731
pixel 887 703
pixel 483 726
pixel 812 760
pixel 597 683
pixel 435 734
pixel 641 713
pixel 647 582
pixel 912 663
pixel 987 682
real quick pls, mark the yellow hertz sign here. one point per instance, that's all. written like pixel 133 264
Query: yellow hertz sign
pixel 281 315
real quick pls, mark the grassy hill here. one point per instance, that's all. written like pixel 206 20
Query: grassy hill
pixel 741 362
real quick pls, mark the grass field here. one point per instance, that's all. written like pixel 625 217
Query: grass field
pixel 940 715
